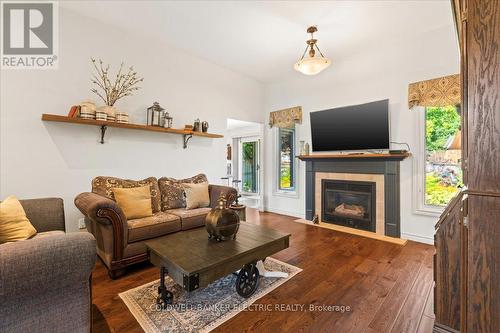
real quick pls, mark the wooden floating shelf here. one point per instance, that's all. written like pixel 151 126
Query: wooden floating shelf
pixel 105 124
pixel 385 156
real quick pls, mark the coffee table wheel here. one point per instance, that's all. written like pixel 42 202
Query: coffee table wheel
pixel 165 297
pixel 247 280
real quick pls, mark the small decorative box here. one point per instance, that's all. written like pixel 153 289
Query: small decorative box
pixel 122 117
pixel 87 115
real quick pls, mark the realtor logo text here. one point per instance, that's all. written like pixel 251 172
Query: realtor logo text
pixel 29 35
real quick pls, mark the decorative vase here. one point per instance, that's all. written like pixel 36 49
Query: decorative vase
pixel 110 112
pixel 204 126
pixel 302 147
pixel 221 222
pixel 197 125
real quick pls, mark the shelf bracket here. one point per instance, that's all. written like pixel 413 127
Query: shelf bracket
pixel 186 140
pixel 103 131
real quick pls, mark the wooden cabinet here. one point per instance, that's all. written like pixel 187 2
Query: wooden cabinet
pixel 467 238
pixel 447 265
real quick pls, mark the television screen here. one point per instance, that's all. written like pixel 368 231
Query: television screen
pixel 356 127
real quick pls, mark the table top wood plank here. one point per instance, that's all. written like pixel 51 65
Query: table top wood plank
pixel 192 251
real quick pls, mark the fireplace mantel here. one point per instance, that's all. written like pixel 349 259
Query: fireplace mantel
pixel 386 165
pixel 361 156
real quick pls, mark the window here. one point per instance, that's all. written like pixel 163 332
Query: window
pixel 286 160
pixel 439 169
pixel 249 166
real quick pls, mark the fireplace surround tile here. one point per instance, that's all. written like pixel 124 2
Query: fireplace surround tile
pixel 386 168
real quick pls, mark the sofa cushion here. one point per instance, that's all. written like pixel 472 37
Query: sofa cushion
pixel 49 233
pixel 196 195
pixel 135 202
pixel 14 225
pixel 159 224
pixel 103 186
pixel 190 218
pixel 172 191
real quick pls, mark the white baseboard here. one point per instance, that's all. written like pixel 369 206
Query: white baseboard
pixel 418 238
pixel 300 215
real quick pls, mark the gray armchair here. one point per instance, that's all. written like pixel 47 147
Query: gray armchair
pixel 45 281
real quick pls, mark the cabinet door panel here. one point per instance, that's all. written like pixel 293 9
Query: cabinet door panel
pixel 447 269
pixel 483 260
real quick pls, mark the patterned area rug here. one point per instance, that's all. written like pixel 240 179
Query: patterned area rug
pixel 201 310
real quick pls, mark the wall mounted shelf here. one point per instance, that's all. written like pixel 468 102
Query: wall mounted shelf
pixel 105 124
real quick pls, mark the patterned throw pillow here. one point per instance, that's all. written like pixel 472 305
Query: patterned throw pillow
pixel 104 186
pixel 172 191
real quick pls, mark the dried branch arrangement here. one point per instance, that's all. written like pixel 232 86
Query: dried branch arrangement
pixel 124 84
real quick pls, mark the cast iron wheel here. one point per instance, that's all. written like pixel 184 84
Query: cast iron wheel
pixel 247 281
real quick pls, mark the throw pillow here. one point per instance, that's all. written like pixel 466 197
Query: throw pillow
pixel 14 225
pixel 196 195
pixel 104 186
pixel 172 191
pixel 135 202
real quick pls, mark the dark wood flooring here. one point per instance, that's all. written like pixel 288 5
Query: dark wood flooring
pixel 387 286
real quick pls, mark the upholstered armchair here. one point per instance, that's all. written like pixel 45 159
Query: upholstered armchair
pixel 45 281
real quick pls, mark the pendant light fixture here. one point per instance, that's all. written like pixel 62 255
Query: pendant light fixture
pixel 312 64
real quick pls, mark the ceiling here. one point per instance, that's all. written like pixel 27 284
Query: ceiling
pixel 262 39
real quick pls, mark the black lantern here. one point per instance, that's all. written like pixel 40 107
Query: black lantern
pixel 155 115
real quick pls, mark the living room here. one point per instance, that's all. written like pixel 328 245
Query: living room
pixel 319 166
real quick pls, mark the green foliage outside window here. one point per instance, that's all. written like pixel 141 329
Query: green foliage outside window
pixel 443 175
pixel 440 124
pixel 286 156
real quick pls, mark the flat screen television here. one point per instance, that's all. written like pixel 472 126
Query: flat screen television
pixel 355 127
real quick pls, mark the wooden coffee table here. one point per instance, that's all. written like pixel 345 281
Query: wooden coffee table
pixel 194 261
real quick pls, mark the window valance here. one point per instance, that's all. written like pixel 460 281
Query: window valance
pixel 286 118
pixel 443 91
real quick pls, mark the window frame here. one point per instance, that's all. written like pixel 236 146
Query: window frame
pixel 294 193
pixel 420 207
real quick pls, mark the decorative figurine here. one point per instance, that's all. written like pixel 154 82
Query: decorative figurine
pixel 167 120
pixel 204 126
pixel 302 147
pixel 197 125
pixel 306 148
pixel 221 222
pixel 229 152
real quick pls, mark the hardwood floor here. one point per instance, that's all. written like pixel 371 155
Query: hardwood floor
pixel 387 286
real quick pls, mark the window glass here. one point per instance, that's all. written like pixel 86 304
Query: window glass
pixel 443 173
pixel 286 165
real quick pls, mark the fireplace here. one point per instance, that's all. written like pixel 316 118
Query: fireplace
pixel 381 169
pixel 349 203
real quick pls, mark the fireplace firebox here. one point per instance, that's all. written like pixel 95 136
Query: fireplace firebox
pixel 349 203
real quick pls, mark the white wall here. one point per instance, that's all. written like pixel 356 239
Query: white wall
pixel 40 159
pixel 383 71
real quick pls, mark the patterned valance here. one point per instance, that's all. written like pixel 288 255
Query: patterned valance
pixel 443 91
pixel 286 118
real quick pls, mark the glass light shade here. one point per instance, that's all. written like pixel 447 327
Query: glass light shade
pixel 312 66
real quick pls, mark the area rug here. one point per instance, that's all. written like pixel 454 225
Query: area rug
pixel 201 310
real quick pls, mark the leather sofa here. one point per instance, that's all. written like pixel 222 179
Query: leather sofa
pixel 45 280
pixel 120 241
